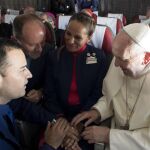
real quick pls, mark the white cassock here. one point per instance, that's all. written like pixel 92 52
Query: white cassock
pixel 121 94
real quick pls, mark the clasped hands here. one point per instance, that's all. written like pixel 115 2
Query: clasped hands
pixel 62 134
pixel 93 134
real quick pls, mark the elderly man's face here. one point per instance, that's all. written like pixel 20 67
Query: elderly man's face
pixel 128 56
pixel 15 76
pixel 33 37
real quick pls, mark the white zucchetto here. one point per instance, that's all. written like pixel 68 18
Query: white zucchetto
pixel 140 34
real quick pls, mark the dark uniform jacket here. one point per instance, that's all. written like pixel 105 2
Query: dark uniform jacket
pixel 38 67
pixel 90 71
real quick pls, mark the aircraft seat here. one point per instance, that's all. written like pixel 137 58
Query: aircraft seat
pixel 62 21
pixel 113 23
pixel 102 38
pixel 138 18
pixel 119 16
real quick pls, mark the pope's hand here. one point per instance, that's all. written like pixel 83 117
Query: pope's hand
pixel 96 134
pixel 89 116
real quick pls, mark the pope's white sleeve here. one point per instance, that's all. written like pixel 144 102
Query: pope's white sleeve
pixel 130 140
pixel 104 108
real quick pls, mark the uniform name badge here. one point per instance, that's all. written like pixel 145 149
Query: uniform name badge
pixel 91 59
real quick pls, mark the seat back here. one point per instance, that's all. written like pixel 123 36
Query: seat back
pixel 113 23
pixel 98 36
pixel 138 18
pixel 13 12
pixel 142 18
pixel 102 38
pixel 38 13
pixel 95 12
pixel 119 16
pixel 63 22
pixel 9 18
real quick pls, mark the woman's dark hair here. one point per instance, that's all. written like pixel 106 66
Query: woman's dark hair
pixel 86 20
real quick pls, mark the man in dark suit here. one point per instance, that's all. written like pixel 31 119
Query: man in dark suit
pixel 13 71
pixel 29 31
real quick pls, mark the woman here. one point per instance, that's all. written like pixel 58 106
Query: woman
pixel 76 71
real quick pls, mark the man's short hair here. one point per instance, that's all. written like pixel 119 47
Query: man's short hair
pixel 21 20
pixel 7 45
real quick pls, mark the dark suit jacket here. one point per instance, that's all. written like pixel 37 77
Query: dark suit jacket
pixel 28 111
pixel 38 68
pixel 9 137
pixel 59 77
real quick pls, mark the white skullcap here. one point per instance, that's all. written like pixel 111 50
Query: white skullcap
pixel 140 34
